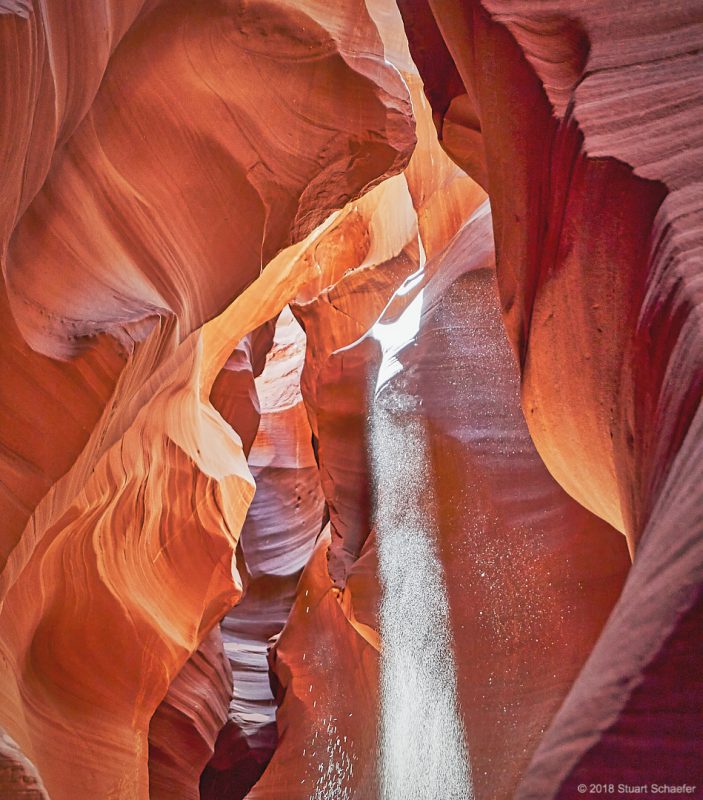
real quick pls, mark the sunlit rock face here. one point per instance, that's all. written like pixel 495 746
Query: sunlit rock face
pixel 185 726
pixel 327 673
pixel 150 172
pixel 234 393
pixel 586 132
pixel 529 575
pixel 362 259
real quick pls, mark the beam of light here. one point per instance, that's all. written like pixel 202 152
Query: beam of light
pixel 395 334
pixel 422 754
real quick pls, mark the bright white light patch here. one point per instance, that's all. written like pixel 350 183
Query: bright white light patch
pixel 422 741
pixel 395 335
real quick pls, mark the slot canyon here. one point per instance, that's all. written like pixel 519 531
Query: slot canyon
pixel 351 374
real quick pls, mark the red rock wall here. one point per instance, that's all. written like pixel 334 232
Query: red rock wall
pixel 18 776
pixel 175 174
pixel 530 576
pixel 586 132
pixel 184 728
pixel 528 591
pixel 328 695
pixel 233 393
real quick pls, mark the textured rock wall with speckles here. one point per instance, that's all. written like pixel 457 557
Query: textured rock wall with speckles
pixel 530 576
pixel 584 123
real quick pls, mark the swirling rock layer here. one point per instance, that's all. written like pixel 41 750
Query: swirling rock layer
pixel 147 185
pixel 184 727
pixel 19 779
pixel 328 678
pixel 529 575
pixel 470 623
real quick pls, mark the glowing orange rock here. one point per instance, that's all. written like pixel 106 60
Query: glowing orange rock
pixel 185 726
pixel 362 260
pixel 529 575
pixel 233 393
pixel 163 201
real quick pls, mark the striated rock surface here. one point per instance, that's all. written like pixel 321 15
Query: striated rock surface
pixel 161 167
pixel 335 318
pixel 505 598
pixel 283 522
pixel 233 393
pixel 328 695
pixel 210 60
pixel 586 132
pixel 184 728
pixel 362 260
pixel 529 575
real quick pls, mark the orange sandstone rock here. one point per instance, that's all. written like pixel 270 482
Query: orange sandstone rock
pixel 362 260
pixel 162 201
pixel 184 728
pixel 328 694
pixel 19 779
pixel 529 575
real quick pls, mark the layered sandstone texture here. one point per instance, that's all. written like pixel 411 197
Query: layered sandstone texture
pixel 586 132
pixel 506 570
pixel 472 547
pixel 277 538
pixel 322 476
pixel 156 158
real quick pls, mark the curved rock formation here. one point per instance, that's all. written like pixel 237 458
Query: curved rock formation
pixel 184 728
pixel 233 393
pixel 362 260
pixel 276 541
pixel 528 576
pixel 328 698
pixel 335 318
pixel 468 624
pixel 155 209
pixel 18 776
pixel 597 232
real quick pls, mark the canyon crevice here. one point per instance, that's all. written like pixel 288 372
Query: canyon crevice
pixel 351 391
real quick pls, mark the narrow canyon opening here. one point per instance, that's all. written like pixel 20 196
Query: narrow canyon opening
pixel 351 377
